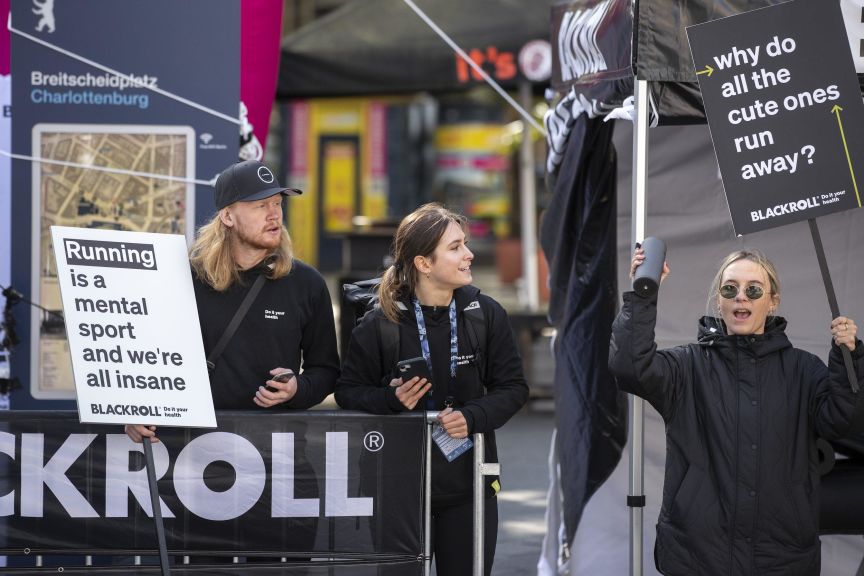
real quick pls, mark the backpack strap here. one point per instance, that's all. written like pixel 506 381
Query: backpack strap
pixel 475 326
pixel 235 322
pixel 388 341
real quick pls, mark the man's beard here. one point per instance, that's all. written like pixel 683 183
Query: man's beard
pixel 258 241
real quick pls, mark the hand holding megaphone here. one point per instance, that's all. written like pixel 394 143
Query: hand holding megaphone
pixel 648 267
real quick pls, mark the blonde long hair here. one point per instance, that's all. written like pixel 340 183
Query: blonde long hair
pixel 211 259
pixel 418 235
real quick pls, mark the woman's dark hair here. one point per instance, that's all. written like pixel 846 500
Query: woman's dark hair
pixel 418 235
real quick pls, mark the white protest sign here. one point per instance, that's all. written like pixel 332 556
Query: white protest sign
pixel 132 326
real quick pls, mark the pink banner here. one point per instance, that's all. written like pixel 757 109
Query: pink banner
pixel 260 35
pixel 5 59
pixel 377 141
pixel 299 164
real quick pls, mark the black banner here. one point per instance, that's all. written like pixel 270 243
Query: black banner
pixel 578 236
pixel 295 484
pixel 323 568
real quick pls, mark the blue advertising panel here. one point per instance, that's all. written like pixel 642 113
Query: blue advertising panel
pixel 123 111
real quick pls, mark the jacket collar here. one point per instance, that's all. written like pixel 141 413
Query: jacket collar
pixel 712 332
pixel 466 298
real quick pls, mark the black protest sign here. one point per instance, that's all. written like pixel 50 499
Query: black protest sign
pixel 785 112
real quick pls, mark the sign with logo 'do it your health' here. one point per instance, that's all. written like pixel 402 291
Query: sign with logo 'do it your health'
pixel 132 325
pixel 785 112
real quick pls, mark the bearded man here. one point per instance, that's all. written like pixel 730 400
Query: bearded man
pixel 288 330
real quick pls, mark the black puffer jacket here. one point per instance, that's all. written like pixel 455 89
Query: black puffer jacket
pixel 742 416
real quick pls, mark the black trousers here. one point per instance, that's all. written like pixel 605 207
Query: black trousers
pixel 453 537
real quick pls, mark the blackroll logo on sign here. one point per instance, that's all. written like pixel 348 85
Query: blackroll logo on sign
pixel 250 478
pixel 131 321
pixel 783 104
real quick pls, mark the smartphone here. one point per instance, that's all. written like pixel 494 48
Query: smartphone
pixel 413 367
pixel 283 376
pixel 280 377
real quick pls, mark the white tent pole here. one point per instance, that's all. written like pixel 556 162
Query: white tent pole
pixel 638 216
pixel 528 203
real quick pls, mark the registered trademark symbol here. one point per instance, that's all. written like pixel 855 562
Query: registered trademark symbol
pixel 373 441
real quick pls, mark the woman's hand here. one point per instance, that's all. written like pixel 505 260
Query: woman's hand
pixel 844 331
pixel 453 422
pixel 639 258
pixel 411 391
pixel 138 432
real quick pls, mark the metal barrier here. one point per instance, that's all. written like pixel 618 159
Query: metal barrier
pixel 481 470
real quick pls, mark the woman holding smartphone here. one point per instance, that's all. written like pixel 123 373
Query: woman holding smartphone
pixel 476 383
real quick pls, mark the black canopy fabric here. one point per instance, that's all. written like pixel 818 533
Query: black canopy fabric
pixel 579 238
pixel 662 49
pixel 384 47
pixel 662 53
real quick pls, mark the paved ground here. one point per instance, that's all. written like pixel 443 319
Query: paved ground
pixel 523 446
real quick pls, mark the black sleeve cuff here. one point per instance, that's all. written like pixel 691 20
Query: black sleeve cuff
pixel 392 401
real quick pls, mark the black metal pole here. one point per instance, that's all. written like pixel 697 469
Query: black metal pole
pixel 832 298
pixel 156 507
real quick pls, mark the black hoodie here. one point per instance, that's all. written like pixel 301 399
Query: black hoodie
pixel 742 417
pixel 290 324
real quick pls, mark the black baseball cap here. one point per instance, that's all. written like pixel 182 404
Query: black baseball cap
pixel 246 181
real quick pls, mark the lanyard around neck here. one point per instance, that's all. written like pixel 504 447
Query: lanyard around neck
pixel 424 341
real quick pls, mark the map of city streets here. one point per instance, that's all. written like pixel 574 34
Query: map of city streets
pixel 91 198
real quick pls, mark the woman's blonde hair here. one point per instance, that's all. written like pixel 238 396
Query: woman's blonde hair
pixel 753 255
pixel 418 235
pixel 211 259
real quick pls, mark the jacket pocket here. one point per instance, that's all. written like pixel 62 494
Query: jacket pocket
pixel 804 531
pixel 672 553
pixel 684 508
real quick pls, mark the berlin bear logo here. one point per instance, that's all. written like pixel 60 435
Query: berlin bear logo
pixel 45 11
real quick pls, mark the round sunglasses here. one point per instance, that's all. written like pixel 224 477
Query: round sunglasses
pixel 730 291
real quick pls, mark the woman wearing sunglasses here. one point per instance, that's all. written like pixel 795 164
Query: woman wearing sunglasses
pixel 743 409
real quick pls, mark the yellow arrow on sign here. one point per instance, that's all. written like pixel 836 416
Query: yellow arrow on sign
pixel 836 110
pixel 708 70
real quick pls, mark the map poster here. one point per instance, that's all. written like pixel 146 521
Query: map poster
pixel 64 196
pixel 126 111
